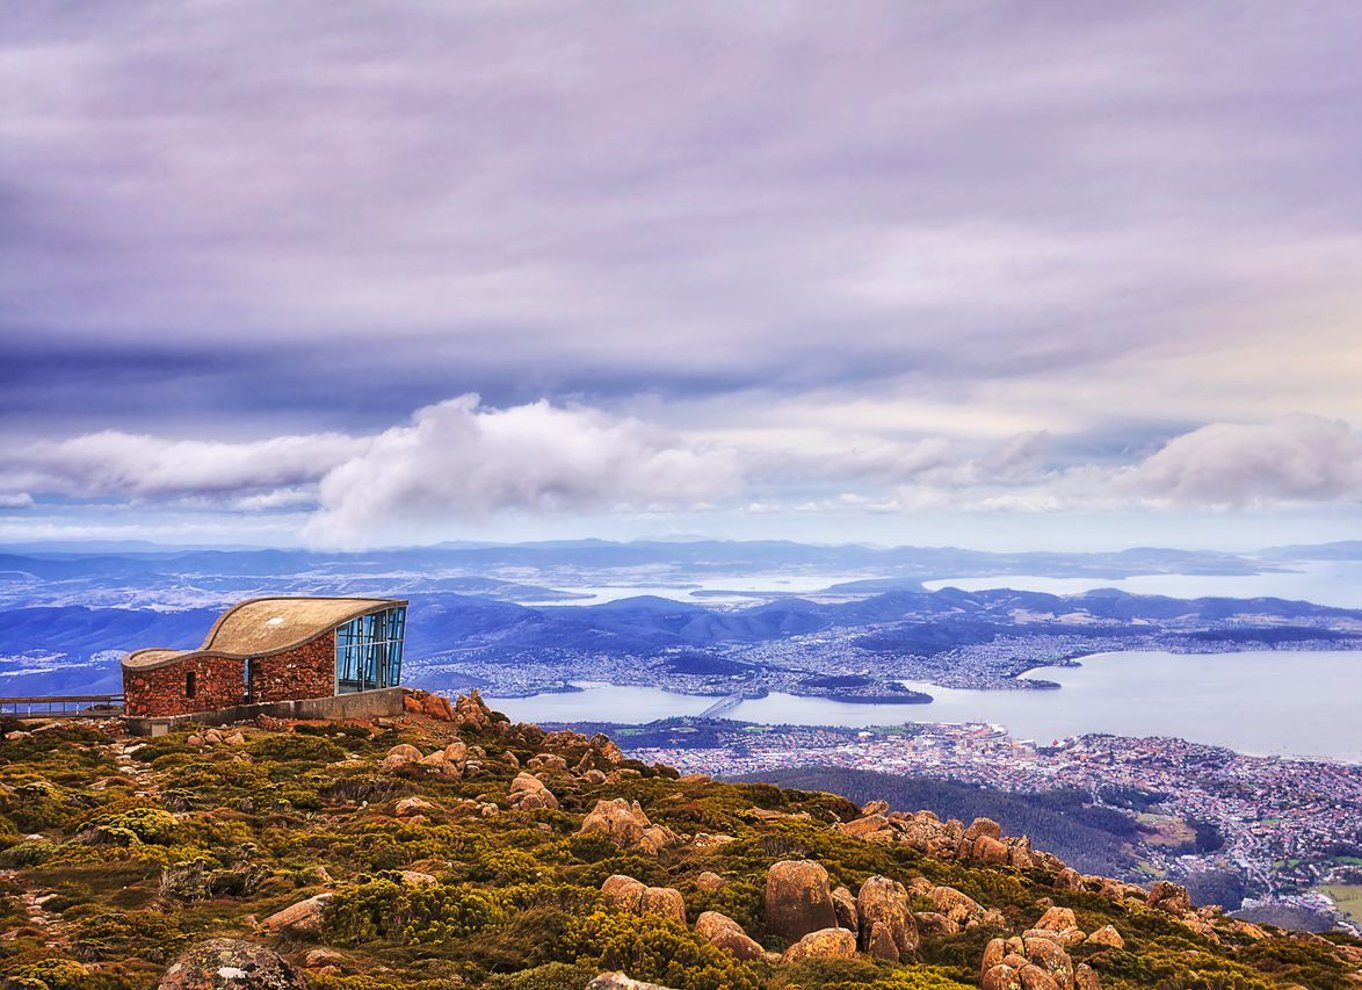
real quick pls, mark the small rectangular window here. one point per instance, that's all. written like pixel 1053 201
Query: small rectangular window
pixel 190 684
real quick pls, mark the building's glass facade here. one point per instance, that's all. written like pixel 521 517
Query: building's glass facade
pixel 369 651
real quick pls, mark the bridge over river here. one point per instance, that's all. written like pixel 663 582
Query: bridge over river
pixel 721 707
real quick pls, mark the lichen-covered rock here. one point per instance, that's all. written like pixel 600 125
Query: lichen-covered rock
pixel 305 916
pixel 1169 897
pixel 665 902
pixel 1057 919
pixel 1001 977
pixel 1033 977
pixel 959 907
pixel 1107 936
pixel 989 851
pixel 844 907
pixel 799 900
pixel 884 902
pixel 618 981
pixel 709 882
pixel 880 943
pixel 625 824
pixel 624 893
pixel 400 754
pixel 1051 957
pixel 723 932
pixel 1085 978
pixel 413 806
pixel 230 964
pixel 1068 879
pixel 528 793
pixel 826 943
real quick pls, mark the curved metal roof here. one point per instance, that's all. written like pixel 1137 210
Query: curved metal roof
pixel 264 626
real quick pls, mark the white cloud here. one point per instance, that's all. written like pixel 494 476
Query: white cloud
pixel 112 463
pixel 459 459
pixel 16 500
pixel 1296 458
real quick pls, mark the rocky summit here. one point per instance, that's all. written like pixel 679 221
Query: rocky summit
pixel 449 848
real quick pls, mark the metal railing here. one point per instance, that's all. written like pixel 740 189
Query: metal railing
pixel 63 706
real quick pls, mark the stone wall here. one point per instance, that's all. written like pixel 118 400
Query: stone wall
pixel 307 671
pixel 219 682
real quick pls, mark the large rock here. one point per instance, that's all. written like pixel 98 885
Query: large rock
pixel 844 906
pixel 1085 978
pixel 1170 897
pixel 1052 959
pixel 624 893
pixel 1107 936
pixel 798 899
pixel 990 851
pixel 665 902
pixel 627 826
pixel 230 964
pixel 618 981
pixel 955 905
pixel 723 932
pixel 884 902
pixel 305 916
pixel 1001 977
pixel 528 793
pixel 880 943
pixel 827 943
pixel 1057 919
pixel 400 754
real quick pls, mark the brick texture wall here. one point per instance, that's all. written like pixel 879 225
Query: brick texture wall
pixel 308 671
pixel 219 683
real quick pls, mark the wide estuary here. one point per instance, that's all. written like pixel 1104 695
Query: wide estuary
pixel 1271 702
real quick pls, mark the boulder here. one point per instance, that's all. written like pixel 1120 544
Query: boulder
pixel 457 751
pixel 989 850
pixel 826 943
pixel 665 902
pixel 983 827
pixel 935 923
pixel 470 711
pixel 528 793
pixel 1068 879
pixel 400 754
pixel 230 964
pixel 305 916
pixel 880 942
pixel 1169 897
pixel 606 748
pixel 844 907
pixel 723 932
pixel 709 882
pixel 1085 978
pixel 1052 959
pixel 624 893
pixel 1057 919
pixel 1107 936
pixel 1001 977
pixel 875 808
pixel 618 981
pixel 546 761
pixel 627 826
pixel 957 906
pixel 413 806
pixel 884 902
pixel 994 952
pixel 799 900
pixel 1034 977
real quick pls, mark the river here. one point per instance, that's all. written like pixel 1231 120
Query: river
pixel 1267 703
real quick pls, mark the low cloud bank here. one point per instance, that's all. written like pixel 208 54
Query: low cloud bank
pixel 460 461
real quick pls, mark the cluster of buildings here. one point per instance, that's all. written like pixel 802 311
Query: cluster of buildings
pixel 1287 825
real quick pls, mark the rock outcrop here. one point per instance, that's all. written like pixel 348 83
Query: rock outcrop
pixel 625 824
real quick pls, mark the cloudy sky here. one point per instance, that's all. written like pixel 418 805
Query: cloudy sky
pixel 992 274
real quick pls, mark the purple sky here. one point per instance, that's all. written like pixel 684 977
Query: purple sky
pixel 984 273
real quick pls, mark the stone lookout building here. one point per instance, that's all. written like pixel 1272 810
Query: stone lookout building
pixel 303 657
